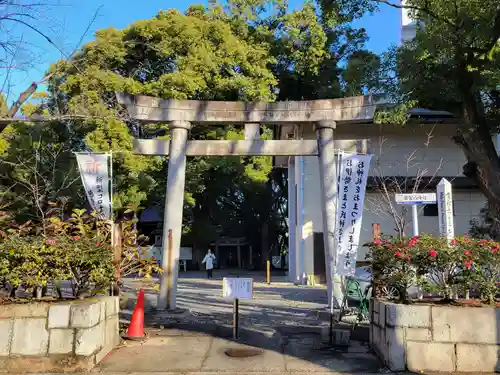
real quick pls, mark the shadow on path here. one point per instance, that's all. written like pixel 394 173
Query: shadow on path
pixel 289 334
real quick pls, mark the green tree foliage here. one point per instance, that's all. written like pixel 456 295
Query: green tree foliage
pixel 250 50
pixel 38 169
pixel 453 64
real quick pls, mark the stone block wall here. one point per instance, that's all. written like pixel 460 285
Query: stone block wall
pixel 435 338
pixel 57 337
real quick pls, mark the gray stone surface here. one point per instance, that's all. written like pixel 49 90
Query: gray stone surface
pixel 478 358
pixel 455 340
pixel 102 316
pixel 25 310
pixel 407 315
pixel 111 333
pixel 470 325
pixel 89 340
pixel 30 337
pixel 382 315
pixel 159 354
pixel 61 341
pixel 6 326
pixel 155 110
pixel 418 334
pixel 231 148
pixel 112 306
pixel 85 315
pixel 217 360
pixel 395 348
pixel 282 320
pixel 425 356
pixel 59 316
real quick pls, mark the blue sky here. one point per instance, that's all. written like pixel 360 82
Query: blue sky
pixel 67 24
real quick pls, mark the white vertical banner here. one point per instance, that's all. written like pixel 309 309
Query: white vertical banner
pixel 353 172
pixel 96 178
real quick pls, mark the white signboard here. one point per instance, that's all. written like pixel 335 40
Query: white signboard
pixel 237 288
pixel 353 177
pixel 445 209
pixel 416 198
pixel 186 253
pixel 94 171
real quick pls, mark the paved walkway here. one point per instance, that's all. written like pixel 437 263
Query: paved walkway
pixel 283 330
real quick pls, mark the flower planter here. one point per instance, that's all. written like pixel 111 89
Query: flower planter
pixel 57 337
pixel 435 338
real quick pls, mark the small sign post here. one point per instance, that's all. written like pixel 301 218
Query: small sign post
pixel 416 199
pixel 445 209
pixel 236 288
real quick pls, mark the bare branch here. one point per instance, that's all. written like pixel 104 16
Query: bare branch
pixel 415 178
pixel 418 9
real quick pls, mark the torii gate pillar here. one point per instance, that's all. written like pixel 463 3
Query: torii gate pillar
pixel 325 131
pixel 172 221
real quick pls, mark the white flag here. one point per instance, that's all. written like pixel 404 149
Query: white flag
pixel 354 175
pixel 96 180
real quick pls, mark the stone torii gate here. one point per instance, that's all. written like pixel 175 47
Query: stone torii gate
pixel 181 115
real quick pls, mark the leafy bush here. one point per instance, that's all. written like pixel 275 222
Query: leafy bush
pixel 77 250
pixel 392 264
pixel 135 259
pixel 436 265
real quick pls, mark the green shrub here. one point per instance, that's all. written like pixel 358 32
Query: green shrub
pixel 77 249
pixel 436 265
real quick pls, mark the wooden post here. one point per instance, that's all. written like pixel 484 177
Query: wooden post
pixel 117 242
pixel 375 235
pixel 268 271
pixel 236 318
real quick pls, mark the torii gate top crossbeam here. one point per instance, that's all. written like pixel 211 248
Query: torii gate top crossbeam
pixel 150 109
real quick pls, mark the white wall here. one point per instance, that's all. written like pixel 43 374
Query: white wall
pixel 415 156
pixel 400 156
pixel 467 205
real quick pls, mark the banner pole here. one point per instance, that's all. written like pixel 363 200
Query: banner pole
pixel 334 260
pixel 111 197
pixel 111 190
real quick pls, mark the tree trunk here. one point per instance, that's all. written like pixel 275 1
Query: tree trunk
pixel 476 141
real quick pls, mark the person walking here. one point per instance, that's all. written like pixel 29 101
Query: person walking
pixel 209 263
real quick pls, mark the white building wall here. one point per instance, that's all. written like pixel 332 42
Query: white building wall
pixel 416 156
pixel 393 156
pixel 408 25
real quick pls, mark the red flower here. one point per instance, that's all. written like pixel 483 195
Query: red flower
pixel 467 252
pixel 397 254
pixel 377 242
pixel 466 233
pixel 453 242
pixel 76 238
pixel 98 244
pixel 415 238
pixel 483 241
pixel 494 250
pixel 468 264
pixel 50 241
pixel 433 253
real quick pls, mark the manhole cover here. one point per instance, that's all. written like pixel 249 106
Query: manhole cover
pixel 242 352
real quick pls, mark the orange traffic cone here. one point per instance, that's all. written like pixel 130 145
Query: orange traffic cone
pixel 135 330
